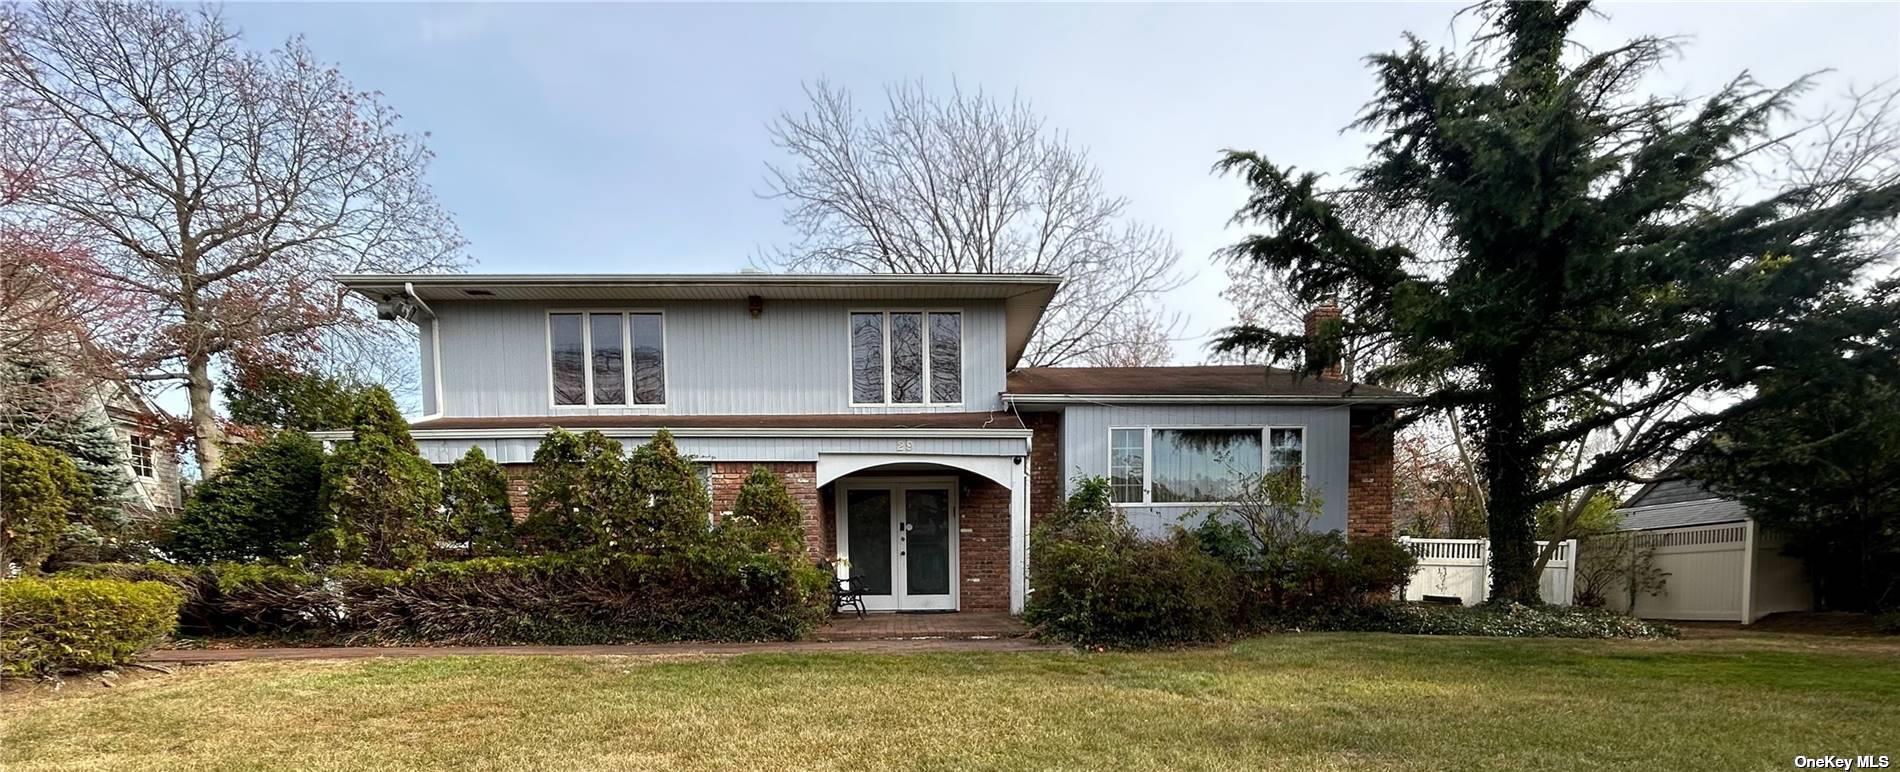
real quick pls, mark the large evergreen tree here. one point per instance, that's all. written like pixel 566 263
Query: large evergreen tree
pixel 1595 263
pixel 1824 470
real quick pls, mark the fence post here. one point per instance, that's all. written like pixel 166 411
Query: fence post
pixel 1570 574
pixel 1484 573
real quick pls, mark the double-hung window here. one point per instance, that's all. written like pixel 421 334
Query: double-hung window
pixel 604 358
pixel 141 447
pixel 1198 465
pixel 906 357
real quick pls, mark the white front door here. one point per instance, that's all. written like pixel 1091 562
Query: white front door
pixel 901 541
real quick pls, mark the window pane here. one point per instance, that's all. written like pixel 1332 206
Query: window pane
pixel 610 351
pixel 649 359
pixel 946 357
pixel 1203 465
pixel 1286 450
pixel 570 380
pixel 907 358
pixel 867 357
pixel 1125 461
pixel 868 542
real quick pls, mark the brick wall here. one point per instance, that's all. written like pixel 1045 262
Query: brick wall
pixel 800 478
pixel 1045 463
pixel 518 476
pixel 983 546
pixel 1369 486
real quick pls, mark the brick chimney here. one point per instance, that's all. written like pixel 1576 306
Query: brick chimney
pixel 1327 310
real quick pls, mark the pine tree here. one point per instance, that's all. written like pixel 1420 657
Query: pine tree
pixel 257 507
pixel 269 393
pixel 475 493
pixel 1591 268
pixel 381 498
pixel 678 509
pixel 764 515
pixel 85 436
pixel 581 496
pixel 1824 471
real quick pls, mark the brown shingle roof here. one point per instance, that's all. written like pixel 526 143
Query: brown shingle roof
pixel 1197 381
pixel 983 420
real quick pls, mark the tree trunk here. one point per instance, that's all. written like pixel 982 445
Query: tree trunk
pixel 1508 470
pixel 207 437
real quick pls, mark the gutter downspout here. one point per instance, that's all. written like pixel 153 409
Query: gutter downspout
pixel 435 345
pixel 409 288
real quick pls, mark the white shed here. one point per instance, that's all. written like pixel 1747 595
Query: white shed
pixel 1721 565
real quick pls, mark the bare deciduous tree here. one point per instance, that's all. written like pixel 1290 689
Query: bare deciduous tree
pixel 965 184
pixel 215 187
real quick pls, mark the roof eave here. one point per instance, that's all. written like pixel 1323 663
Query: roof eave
pixel 1202 399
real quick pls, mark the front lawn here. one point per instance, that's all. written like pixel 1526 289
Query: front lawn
pixel 1285 702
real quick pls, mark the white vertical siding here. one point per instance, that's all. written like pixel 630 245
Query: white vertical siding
pixel 793 359
pixel 425 344
pixel 1085 431
pixel 521 451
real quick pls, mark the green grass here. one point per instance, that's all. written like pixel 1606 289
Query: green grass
pixel 1286 702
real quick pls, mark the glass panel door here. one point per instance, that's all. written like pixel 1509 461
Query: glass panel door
pixel 868 539
pixel 925 551
pixel 927 542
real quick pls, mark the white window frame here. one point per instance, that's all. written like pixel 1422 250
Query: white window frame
pixel 851 391
pixel 587 358
pixel 1147 458
pixel 146 468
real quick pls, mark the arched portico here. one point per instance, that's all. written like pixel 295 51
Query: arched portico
pixel 906 522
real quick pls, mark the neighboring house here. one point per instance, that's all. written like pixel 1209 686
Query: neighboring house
pixel 151 459
pixel 887 403
pixel 1721 566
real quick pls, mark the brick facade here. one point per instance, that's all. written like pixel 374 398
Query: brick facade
pixel 1369 481
pixel 1045 463
pixel 983 545
pixel 518 477
pixel 800 479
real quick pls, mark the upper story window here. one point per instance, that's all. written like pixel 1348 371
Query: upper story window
pixel 142 456
pixel 1198 465
pixel 906 357
pixel 607 358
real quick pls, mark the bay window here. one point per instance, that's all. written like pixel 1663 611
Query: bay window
pixel 1198 465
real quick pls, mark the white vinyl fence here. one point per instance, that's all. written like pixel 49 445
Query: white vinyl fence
pixel 1725 572
pixel 1462 568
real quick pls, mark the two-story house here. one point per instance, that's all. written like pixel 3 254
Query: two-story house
pixel 891 405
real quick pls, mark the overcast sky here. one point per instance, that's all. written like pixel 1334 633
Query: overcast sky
pixel 631 138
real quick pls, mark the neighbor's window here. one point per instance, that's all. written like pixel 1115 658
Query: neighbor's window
pixel 906 357
pixel 1127 454
pixel 142 456
pixel 1198 465
pixel 589 357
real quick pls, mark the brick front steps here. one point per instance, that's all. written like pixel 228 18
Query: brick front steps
pixel 963 625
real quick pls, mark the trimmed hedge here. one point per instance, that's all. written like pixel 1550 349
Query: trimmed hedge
pixel 54 626
pixel 717 592
pixel 1504 621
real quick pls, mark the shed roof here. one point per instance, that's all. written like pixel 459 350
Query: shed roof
pixel 1682 514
